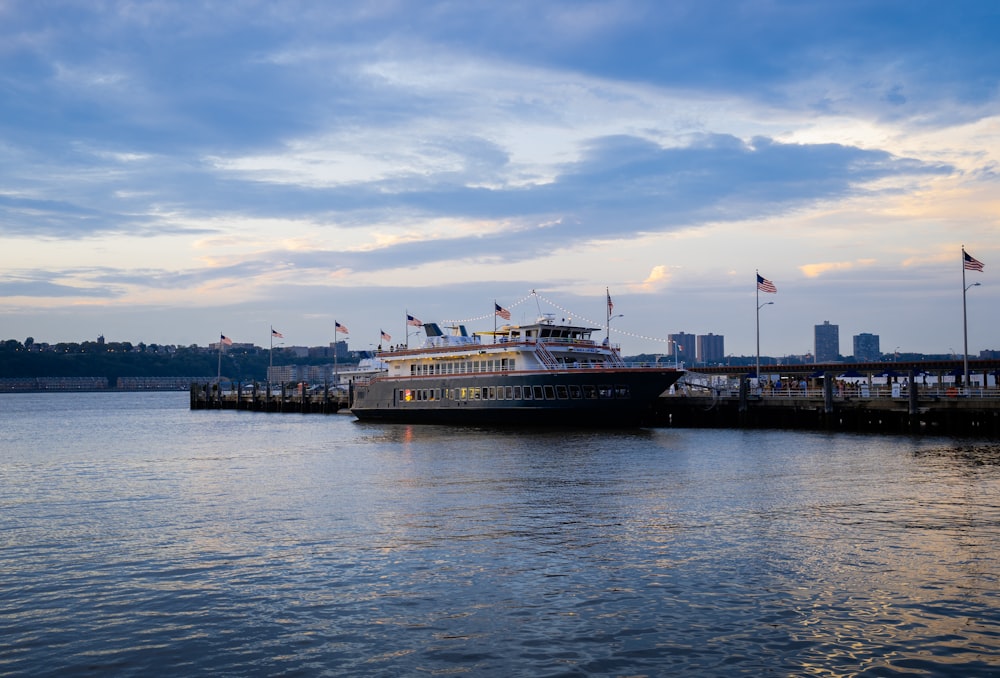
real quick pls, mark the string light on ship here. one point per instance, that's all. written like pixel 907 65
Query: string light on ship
pixel 593 322
pixel 490 315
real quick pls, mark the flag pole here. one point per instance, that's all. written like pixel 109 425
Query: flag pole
pixel 757 303
pixel 218 376
pixel 336 379
pixel 965 329
pixel 607 324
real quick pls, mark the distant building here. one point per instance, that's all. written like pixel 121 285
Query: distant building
pixel 866 348
pixel 711 348
pixel 313 374
pixel 827 342
pixel 683 346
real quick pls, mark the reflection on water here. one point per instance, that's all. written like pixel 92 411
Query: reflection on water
pixel 141 537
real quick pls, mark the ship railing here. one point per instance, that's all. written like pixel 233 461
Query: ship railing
pixel 545 356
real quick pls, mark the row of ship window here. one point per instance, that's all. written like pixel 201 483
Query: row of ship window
pixel 540 392
pixel 462 367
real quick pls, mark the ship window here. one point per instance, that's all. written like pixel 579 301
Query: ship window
pixel 465 394
pixel 407 395
pixel 509 392
pixel 562 392
pixel 474 393
pixel 537 392
pixel 517 392
pixel 604 391
pixel 510 364
pixel 574 391
pixel 499 392
pixel 550 393
pixel 491 393
pixel 527 393
pixel 621 391
pixel 589 392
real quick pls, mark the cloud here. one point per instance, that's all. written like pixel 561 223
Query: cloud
pixel 658 277
pixel 817 270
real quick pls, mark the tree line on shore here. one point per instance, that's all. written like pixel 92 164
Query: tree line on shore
pixel 122 359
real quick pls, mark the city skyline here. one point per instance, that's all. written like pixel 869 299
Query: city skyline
pixel 180 170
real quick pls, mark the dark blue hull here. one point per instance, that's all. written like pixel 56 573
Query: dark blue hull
pixel 586 398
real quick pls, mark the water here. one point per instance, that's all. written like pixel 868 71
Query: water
pixel 138 537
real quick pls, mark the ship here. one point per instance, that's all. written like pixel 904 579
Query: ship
pixel 543 373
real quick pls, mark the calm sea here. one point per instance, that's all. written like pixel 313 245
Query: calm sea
pixel 140 538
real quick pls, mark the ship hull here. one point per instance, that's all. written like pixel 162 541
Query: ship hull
pixel 613 397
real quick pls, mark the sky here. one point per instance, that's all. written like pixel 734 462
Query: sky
pixel 172 171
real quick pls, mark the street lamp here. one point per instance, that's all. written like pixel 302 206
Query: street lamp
pixel 760 306
pixel 965 332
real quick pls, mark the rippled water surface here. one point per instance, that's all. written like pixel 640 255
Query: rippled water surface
pixel 141 538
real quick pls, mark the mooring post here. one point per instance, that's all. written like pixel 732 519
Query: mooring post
pixel 913 410
pixel 742 415
pixel 827 393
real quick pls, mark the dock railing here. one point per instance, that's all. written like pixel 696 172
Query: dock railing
pixel 846 392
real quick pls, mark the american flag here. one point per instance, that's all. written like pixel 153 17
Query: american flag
pixel 226 341
pixel 340 328
pixel 765 285
pixel 501 311
pixel 410 320
pixel 971 263
pixel 385 337
pixel 611 304
pixel 276 333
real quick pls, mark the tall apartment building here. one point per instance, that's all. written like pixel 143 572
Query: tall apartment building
pixel 866 347
pixel 827 342
pixel 711 348
pixel 683 345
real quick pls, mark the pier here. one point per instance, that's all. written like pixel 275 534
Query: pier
pixel 262 398
pixel 924 397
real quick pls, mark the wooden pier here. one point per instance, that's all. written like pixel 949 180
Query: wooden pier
pixel 255 398
pixel 902 407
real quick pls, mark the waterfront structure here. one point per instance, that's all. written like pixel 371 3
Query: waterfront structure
pixel 827 343
pixel 866 347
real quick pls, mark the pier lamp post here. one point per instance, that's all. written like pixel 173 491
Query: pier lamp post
pixel 965 334
pixel 760 306
pixel 610 318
